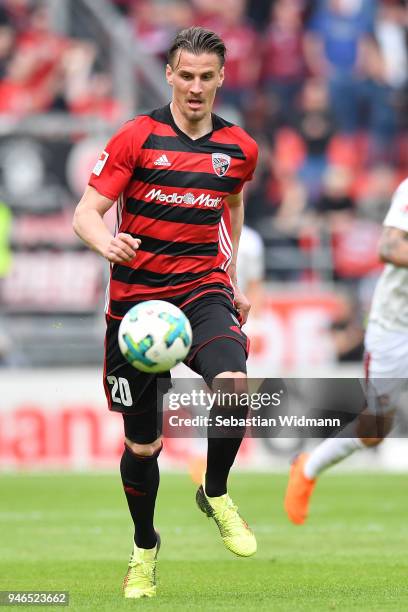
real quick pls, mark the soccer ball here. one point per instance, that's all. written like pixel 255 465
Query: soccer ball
pixel 154 336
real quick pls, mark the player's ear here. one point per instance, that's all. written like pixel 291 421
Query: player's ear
pixel 169 74
pixel 221 77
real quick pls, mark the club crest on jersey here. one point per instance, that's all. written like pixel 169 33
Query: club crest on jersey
pixel 221 163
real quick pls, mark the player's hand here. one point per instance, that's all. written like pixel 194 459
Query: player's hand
pixel 242 305
pixel 122 248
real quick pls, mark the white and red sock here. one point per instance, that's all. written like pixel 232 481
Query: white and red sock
pixel 328 453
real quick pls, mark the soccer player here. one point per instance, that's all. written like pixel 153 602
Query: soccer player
pixel 386 363
pixel 177 175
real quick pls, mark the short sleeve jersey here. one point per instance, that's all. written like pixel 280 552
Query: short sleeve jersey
pixel 170 192
pixel 390 302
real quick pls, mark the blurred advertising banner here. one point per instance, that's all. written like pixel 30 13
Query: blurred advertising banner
pixel 41 282
pixel 292 331
pixel 44 169
pixel 58 419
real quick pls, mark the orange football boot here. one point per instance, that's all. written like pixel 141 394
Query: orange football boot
pixel 298 491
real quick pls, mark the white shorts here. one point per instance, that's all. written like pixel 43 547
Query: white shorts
pixel 386 362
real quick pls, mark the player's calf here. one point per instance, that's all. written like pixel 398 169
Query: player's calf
pixel 226 429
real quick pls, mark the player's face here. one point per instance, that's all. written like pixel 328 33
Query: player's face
pixel 195 80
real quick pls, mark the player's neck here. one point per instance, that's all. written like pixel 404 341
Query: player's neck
pixel 193 129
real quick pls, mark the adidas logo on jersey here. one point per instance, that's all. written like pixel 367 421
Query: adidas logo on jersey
pixel 162 161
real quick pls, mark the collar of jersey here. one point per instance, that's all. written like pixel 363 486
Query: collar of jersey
pixel 183 136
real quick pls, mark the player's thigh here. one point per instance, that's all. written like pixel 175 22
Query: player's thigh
pixel 217 356
pixel 143 427
pixel 219 344
pixel 132 392
pixel 386 360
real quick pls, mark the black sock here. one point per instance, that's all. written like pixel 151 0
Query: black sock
pixel 220 457
pixel 140 477
pixel 223 444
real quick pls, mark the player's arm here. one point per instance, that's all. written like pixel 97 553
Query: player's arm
pixel 236 205
pixel 393 247
pixel 88 224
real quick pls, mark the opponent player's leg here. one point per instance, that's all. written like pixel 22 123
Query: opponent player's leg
pixel 135 395
pixel 306 468
pixel 386 363
pixel 368 430
pixel 223 444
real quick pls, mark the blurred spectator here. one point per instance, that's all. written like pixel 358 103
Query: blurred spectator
pixel 206 11
pixel 33 71
pixel 18 13
pixel 337 191
pixel 374 197
pixel 261 121
pixel 242 64
pixel 354 240
pixel 97 99
pixel 283 64
pixel 47 71
pixel 124 6
pixel 390 32
pixel 262 118
pixel 354 243
pixel 386 65
pixel 258 201
pixel 316 125
pixel 7 39
pixel 337 33
pixel 377 101
pixel 285 232
pixel 178 14
pixel 291 216
pixel 148 28
pixel 20 94
pixel 44 46
pixel 155 23
pixel 259 13
pixel 347 331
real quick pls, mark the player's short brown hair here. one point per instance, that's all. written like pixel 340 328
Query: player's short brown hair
pixel 198 40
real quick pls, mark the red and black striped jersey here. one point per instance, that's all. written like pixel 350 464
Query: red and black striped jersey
pixel 170 192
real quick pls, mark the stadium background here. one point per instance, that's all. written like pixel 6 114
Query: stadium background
pixel 321 85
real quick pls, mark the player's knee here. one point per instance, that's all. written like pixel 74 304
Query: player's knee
pixel 373 428
pixel 231 389
pixel 234 383
pixel 144 450
pixel 371 442
pixel 231 375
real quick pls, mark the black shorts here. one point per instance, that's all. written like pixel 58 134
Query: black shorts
pixel 219 345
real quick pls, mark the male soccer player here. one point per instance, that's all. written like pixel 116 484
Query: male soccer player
pixel 177 175
pixel 386 362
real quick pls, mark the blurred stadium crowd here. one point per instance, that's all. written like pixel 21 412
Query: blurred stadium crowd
pixel 43 70
pixel 322 85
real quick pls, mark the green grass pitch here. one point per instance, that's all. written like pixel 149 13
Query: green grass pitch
pixel 72 532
